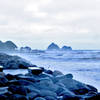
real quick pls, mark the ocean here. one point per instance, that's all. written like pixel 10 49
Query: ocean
pixel 83 64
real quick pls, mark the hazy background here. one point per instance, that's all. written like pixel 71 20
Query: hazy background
pixel 37 23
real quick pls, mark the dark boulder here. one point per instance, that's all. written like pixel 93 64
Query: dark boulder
pixel 92 88
pixel 3 97
pixel 17 97
pixel 32 95
pixel 18 89
pixel 57 73
pixel 3 81
pixel 35 70
pixel 13 62
pixel 10 77
pixel 68 97
pixel 48 72
pixel 94 97
pixel 20 82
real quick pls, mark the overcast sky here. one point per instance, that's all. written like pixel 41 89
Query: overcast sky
pixel 37 23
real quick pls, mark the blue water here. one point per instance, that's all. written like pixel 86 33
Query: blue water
pixel 83 64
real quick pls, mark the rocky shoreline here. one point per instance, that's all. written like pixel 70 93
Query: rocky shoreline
pixel 45 85
pixel 40 83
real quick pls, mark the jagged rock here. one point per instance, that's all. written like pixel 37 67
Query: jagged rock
pixel 53 46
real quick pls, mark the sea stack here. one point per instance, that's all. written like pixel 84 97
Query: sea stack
pixel 53 46
pixel 65 48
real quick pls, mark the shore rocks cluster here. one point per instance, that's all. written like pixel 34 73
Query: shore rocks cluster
pixel 40 83
pixel 13 62
pixel 54 46
pixel 45 85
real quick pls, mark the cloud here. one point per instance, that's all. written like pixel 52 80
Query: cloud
pixel 74 22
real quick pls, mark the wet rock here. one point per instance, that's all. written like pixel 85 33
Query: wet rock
pixel 3 97
pixel 50 98
pixel 46 84
pixel 69 76
pixel 92 88
pixel 80 91
pixel 44 93
pixel 28 78
pixel 10 77
pixel 2 74
pixel 67 97
pixel 3 90
pixel 32 89
pixel 17 97
pixel 57 73
pixel 32 95
pixel 35 70
pixel 20 82
pixel 48 72
pixel 18 89
pixel 93 97
pixel 13 62
pixel 3 81
pixel 73 85
pixel 39 98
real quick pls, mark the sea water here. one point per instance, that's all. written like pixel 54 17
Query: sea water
pixel 83 64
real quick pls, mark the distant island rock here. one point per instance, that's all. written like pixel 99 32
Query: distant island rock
pixel 65 48
pixel 53 46
pixel 25 49
pixel 7 46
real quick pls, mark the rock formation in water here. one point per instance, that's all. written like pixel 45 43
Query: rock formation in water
pixel 25 49
pixel 7 46
pixel 65 48
pixel 53 46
